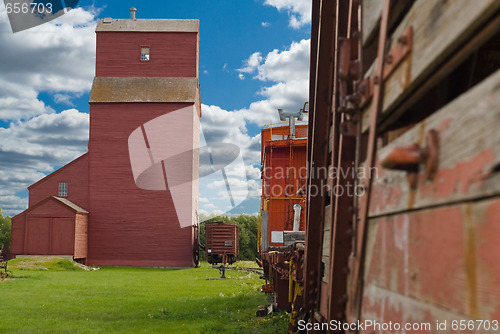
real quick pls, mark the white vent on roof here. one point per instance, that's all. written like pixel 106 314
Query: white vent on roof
pixel 133 10
pixel 107 20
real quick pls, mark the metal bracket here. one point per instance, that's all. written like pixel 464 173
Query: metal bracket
pixel 396 55
pixel 344 57
pixel 409 159
pixel 348 128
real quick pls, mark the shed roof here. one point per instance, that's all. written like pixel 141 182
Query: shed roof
pixel 70 204
pixel 147 25
pixel 60 200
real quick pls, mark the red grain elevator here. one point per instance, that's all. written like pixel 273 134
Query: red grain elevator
pixel 139 180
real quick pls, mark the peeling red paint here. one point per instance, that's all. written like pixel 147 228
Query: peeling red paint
pixel 438 262
pixel 444 124
pixel 489 269
pixel 458 178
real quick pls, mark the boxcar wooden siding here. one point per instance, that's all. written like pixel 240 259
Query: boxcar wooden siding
pixel 469 155
pixel 439 28
pixel 434 264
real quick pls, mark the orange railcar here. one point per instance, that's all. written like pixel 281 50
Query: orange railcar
pixel 283 157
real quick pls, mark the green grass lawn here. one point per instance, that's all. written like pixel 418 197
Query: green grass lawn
pixel 68 299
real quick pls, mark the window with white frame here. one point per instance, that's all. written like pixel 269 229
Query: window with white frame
pixel 145 50
pixel 63 189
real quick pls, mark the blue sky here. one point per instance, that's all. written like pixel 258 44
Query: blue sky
pixel 254 58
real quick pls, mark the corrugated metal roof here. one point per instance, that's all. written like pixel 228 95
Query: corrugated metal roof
pixel 70 204
pixel 148 25
pixel 143 90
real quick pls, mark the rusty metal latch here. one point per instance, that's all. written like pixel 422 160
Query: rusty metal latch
pixel 409 159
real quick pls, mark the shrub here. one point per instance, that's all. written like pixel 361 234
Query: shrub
pixel 5 228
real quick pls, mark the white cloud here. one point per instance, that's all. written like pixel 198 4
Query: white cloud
pixel 220 125
pixel 289 71
pixel 32 148
pixel 50 139
pixel 299 11
pixel 208 215
pixel 253 172
pixel 265 24
pixel 64 54
pixel 252 63
pixel 19 101
pixel 55 57
pixel 65 98
pixel 241 76
pixel 12 205
pixel 209 206
pixel 287 65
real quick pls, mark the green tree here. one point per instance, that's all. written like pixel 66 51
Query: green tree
pixel 5 228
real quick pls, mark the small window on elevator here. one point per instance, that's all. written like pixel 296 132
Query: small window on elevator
pixel 63 189
pixel 145 53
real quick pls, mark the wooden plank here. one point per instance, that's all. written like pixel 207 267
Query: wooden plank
pixel 372 9
pixel 439 28
pixel 423 262
pixel 325 253
pixel 469 155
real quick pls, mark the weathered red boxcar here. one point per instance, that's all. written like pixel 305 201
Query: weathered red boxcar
pixel 404 100
pixel 222 242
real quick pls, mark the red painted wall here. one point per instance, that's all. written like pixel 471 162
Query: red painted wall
pixel 74 173
pixel 173 54
pixel 128 225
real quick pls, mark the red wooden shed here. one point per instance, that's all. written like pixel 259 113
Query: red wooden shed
pixel 54 226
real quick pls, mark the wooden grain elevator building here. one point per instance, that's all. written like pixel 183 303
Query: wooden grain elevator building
pixel 132 199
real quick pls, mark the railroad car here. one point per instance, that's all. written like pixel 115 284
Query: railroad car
pixel 221 242
pixel 404 115
pixel 407 95
pixel 282 215
pixel 283 162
